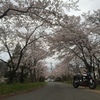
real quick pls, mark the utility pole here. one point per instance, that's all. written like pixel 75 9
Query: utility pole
pixel 51 68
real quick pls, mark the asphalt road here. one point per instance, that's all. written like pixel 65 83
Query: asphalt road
pixel 57 91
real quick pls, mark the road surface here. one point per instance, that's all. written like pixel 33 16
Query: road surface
pixel 57 91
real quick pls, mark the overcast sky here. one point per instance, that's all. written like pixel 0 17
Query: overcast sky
pixel 85 6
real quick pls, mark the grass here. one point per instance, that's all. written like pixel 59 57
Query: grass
pixel 98 87
pixel 6 89
pixel 68 82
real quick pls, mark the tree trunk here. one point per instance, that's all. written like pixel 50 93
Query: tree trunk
pixel 21 80
pixel 94 72
pixel 11 77
pixel 34 75
pixel 31 75
pixel 99 70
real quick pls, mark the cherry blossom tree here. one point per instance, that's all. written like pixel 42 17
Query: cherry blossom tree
pixel 35 9
pixel 10 37
pixel 23 19
pixel 73 38
pixel 92 21
pixel 41 71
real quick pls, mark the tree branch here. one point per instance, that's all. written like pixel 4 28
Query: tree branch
pixel 17 10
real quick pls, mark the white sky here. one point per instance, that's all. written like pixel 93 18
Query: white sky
pixel 85 6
